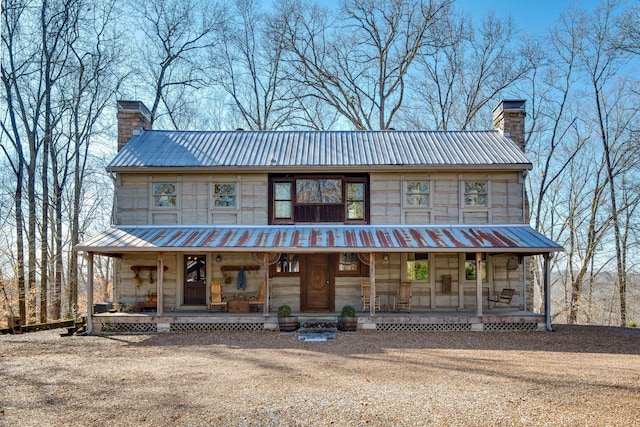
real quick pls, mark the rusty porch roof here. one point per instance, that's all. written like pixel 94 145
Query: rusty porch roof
pixel 321 238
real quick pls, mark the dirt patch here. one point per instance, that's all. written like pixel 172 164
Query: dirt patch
pixel 576 376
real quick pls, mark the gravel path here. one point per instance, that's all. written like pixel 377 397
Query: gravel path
pixel 588 376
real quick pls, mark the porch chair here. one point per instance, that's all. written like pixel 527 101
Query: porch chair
pixel 403 297
pixel 259 301
pixel 365 293
pixel 505 296
pixel 216 297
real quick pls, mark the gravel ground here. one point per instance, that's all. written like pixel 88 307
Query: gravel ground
pixel 587 376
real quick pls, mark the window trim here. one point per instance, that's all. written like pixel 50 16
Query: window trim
pixel 362 269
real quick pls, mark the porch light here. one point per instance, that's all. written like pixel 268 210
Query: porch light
pixel 218 258
pixel 385 258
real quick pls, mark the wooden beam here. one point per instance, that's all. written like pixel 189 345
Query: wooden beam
pixel 160 284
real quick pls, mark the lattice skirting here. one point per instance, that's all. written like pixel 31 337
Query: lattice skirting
pixel 129 328
pixel 424 327
pixel 209 327
pixel 511 327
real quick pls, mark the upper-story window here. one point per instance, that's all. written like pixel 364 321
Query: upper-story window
pixel 475 194
pixel 417 194
pixel 355 200
pixel 283 201
pixel 318 198
pixel 164 195
pixel 224 195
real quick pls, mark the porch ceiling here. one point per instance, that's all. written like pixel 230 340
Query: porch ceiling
pixel 512 238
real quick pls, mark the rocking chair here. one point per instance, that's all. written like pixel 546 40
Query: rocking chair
pixel 403 297
pixel 365 292
pixel 216 297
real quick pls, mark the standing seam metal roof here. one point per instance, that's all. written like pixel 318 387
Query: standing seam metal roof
pixel 318 148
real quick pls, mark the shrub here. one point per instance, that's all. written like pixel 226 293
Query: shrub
pixel 284 311
pixel 348 311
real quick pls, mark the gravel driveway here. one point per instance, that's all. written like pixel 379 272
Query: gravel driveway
pixel 588 376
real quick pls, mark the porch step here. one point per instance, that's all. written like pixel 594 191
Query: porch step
pixel 317 329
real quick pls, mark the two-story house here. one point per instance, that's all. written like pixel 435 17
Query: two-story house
pixel 211 220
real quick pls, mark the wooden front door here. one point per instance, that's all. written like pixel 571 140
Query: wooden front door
pixel 195 273
pixel 317 290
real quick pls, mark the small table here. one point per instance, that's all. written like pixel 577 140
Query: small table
pixel 147 306
pixel 239 306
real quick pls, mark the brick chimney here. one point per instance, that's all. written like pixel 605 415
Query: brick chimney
pixel 508 118
pixel 133 117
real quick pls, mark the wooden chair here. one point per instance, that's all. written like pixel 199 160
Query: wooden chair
pixel 216 297
pixel 403 297
pixel 504 297
pixel 260 301
pixel 365 293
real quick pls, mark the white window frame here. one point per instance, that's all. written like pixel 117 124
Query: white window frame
pixel 212 186
pixel 464 208
pixel 153 194
pixel 427 210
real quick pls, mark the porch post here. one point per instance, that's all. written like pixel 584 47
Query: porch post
pixel 372 282
pixel 160 284
pixel 265 265
pixel 90 293
pixel 547 293
pixel 478 284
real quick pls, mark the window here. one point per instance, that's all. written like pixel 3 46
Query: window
pixel 282 207
pixel 164 195
pixel 355 200
pixel 319 191
pixel 475 193
pixel 318 198
pixel 348 262
pixel 224 195
pixel 470 272
pixel 287 265
pixel 417 193
pixel 418 266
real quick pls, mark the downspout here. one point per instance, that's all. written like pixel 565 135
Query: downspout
pixel 547 293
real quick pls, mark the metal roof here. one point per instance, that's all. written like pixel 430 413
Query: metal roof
pixel 287 149
pixel 321 238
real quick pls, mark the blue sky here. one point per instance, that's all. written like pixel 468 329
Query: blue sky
pixel 532 16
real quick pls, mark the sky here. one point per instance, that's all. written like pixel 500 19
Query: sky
pixel 532 16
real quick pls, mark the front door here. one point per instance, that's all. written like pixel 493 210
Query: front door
pixel 195 273
pixel 318 286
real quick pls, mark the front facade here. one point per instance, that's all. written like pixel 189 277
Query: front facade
pixel 305 218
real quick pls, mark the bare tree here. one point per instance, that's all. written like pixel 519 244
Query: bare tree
pixel 177 34
pixel 465 72
pixel 250 69
pixel 357 61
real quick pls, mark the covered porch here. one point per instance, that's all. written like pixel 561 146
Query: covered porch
pixel 450 249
